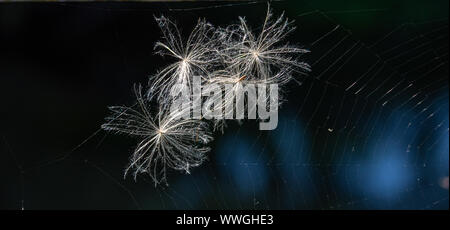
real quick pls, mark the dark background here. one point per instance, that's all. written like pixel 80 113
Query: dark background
pixel 338 145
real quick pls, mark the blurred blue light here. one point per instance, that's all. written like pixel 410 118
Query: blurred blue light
pixel 292 146
pixel 441 152
pixel 387 176
pixel 290 140
pixel 388 172
pixel 383 172
pixel 244 161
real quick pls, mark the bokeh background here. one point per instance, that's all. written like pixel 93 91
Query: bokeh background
pixel 367 129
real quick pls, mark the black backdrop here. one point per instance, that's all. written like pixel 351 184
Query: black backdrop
pixel 62 64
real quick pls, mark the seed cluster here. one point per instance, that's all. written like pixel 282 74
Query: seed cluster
pixel 220 55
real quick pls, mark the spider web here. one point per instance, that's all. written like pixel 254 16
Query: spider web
pixel 368 128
